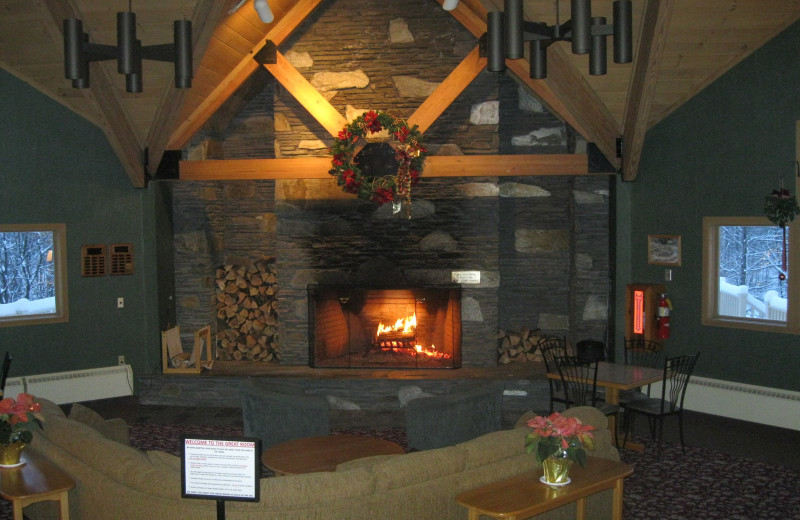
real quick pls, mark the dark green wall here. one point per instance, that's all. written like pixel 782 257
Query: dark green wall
pixel 719 154
pixel 57 167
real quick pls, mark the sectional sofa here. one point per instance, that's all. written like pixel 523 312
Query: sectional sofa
pixel 117 481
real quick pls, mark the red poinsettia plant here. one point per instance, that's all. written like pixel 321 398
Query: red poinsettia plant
pixel 18 417
pixel 559 436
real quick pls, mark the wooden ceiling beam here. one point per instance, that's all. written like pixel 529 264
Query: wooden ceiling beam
pixel 308 96
pixel 103 96
pixel 565 93
pixel 279 30
pixel 206 16
pixel 653 39
pixel 447 92
pixel 435 166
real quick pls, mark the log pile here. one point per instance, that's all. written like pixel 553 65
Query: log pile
pixel 518 347
pixel 247 318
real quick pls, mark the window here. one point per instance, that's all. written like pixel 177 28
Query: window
pixel 746 267
pixel 33 274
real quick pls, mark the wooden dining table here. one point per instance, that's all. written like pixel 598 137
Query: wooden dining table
pixel 615 377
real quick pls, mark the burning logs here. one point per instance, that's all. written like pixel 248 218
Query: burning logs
pixel 247 317
pixel 516 347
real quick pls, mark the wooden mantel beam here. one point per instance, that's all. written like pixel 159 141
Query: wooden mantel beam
pixel 435 166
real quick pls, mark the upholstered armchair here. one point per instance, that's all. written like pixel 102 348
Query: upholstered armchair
pixel 277 413
pixel 444 420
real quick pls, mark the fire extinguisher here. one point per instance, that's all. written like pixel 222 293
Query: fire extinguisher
pixel 662 325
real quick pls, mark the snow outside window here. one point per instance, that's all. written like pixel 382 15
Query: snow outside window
pixel 33 281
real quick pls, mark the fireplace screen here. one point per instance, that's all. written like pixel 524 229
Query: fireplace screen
pixel 389 328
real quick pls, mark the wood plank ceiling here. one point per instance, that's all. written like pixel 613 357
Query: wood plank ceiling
pixel 680 46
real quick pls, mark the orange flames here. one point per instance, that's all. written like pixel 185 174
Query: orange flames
pixel 405 326
pixel 401 337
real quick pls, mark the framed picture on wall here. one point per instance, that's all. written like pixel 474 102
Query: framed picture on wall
pixel 664 249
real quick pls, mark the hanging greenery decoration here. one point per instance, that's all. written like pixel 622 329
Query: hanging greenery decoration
pixel 781 207
pixel 410 155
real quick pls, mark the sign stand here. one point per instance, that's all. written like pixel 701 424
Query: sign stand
pixel 221 469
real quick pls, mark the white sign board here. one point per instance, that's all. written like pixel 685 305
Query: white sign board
pixel 221 468
pixel 466 277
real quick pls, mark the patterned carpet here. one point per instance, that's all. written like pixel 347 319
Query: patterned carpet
pixel 701 485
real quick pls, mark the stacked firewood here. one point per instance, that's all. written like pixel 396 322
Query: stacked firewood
pixel 247 318
pixel 518 347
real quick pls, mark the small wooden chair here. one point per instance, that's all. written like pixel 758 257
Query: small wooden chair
pixel 176 360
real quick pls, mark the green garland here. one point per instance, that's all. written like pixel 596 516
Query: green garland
pixel 781 207
pixel 409 153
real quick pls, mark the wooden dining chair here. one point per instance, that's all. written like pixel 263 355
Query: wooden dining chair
pixel 551 348
pixel 643 353
pixel 677 371
pixel 579 380
pixel 4 372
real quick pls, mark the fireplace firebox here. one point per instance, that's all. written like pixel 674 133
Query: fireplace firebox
pixel 351 327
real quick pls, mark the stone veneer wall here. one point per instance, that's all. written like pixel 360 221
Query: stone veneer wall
pixel 540 243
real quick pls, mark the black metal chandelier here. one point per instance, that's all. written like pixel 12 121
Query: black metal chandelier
pixel 507 33
pixel 129 53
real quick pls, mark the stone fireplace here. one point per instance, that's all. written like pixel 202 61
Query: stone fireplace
pixel 540 244
pixel 353 327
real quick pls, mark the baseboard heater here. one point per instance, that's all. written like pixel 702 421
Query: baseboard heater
pixel 75 386
pixel 758 404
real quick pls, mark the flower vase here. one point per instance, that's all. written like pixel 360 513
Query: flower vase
pixel 10 454
pixel 556 469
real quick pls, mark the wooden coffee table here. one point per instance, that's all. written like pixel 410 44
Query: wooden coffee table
pixel 524 495
pixel 323 453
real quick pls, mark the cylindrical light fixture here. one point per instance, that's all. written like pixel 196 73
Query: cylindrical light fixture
pixel 495 51
pixel 263 10
pixel 133 80
pixel 82 81
pixel 538 67
pixel 183 53
pixel 126 42
pixel 623 31
pixel 73 48
pixel 449 5
pixel 581 28
pixel 513 29
pixel 597 58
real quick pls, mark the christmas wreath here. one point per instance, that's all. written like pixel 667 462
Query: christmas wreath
pixel 409 154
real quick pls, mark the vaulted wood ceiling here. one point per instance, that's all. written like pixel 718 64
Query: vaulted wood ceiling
pixel 680 46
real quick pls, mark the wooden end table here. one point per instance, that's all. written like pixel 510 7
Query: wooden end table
pixel 323 453
pixel 36 480
pixel 524 495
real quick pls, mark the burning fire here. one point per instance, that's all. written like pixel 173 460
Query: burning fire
pixel 401 337
pixel 405 326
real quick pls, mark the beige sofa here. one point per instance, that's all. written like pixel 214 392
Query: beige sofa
pixel 116 481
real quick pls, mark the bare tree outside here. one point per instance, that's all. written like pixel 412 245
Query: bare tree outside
pixel 26 267
pixel 752 256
